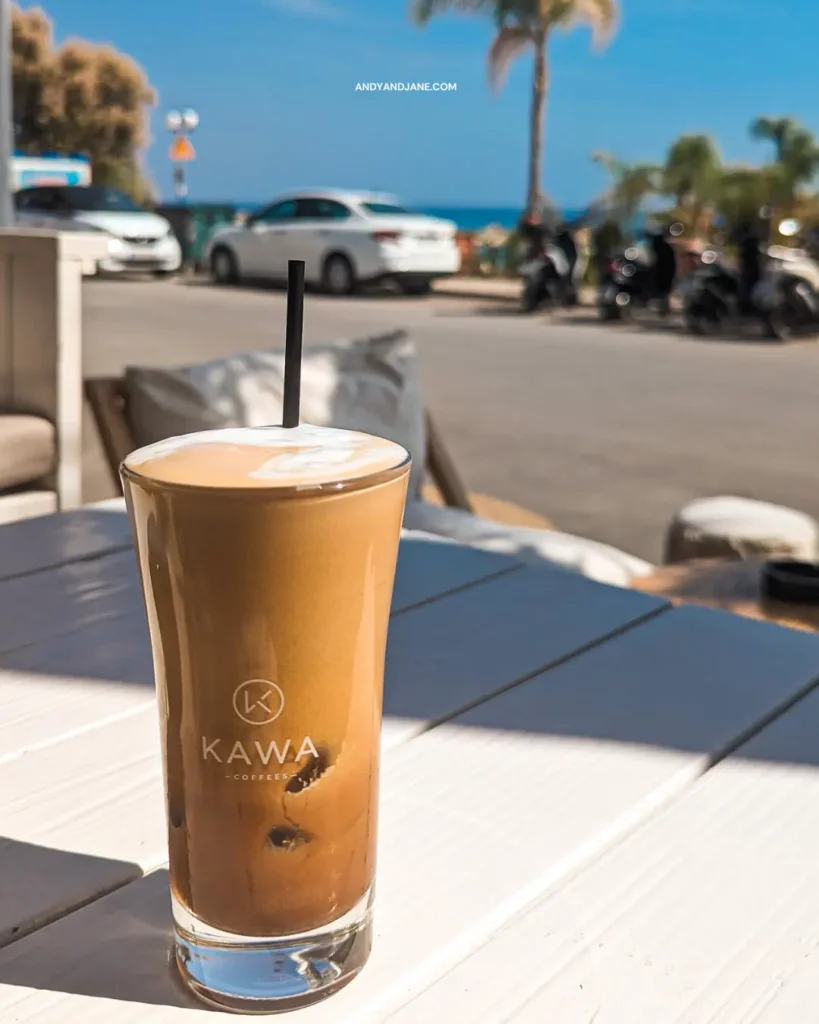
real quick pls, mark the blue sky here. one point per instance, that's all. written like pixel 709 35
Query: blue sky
pixel 274 84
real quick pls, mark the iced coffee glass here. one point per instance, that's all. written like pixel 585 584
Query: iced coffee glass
pixel 267 557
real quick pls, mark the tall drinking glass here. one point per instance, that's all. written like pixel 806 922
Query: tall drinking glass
pixel 267 557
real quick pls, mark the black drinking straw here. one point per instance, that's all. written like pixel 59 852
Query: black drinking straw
pixel 292 343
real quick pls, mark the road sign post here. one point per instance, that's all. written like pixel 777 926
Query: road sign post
pixel 181 152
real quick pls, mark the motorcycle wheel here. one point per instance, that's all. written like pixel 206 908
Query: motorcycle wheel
pixel 643 315
pixel 608 313
pixel 703 323
pixel 779 324
pixel 530 298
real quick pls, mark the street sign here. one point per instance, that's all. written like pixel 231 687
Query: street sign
pixel 182 150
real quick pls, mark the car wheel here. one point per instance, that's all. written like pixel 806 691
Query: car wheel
pixel 223 266
pixel 163 274
pixel 338 276
pixel 415 287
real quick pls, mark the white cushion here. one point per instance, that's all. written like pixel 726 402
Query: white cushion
pixel 587 557
pixel 732 527
pixel 370 384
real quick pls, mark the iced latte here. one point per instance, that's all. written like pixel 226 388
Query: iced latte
pixel 267 557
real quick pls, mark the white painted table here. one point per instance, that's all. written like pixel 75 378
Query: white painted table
pixel 595 808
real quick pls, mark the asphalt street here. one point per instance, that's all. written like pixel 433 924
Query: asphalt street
pixel 606 430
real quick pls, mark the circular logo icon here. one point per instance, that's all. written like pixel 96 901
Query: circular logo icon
pixel 258 701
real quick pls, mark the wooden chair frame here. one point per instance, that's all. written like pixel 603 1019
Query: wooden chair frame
pixel 108 399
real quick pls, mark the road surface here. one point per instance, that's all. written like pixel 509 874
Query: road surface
pixel 605 430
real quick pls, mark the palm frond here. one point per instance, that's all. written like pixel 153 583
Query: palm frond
pixel 421 11
pixel 507 46
pixel 602 17
pixel 606 160
pixel 778 130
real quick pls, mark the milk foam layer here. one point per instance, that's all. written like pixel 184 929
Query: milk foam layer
pixel 301 456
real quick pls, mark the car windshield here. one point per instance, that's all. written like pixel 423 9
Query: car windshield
pixel 98 199
pixel 387 210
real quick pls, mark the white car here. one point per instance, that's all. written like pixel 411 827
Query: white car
pixel 138 239
pixel 344 238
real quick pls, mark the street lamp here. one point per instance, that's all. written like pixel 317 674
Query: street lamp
pixel 180 124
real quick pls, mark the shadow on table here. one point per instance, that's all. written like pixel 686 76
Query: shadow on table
pixel 40 884
pixel 139 916
pixel 95 626
pixel 483 639
pixel 48 542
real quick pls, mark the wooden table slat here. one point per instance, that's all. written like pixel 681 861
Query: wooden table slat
pixel 708 913
pixel 482 819
pixel 37 607
pixel 48 542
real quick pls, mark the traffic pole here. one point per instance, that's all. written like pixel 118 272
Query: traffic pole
pixel 180 185
pixel 180 124
pixel 6 127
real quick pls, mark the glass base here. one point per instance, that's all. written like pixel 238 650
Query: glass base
pixel 269 975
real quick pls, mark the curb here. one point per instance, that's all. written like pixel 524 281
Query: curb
pixel 451 289
pixel 472 288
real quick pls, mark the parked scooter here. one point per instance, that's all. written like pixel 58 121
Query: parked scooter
pixel 642 278
pixel 549 276
pixel 717 292
pixel 787 296
pixel 711 294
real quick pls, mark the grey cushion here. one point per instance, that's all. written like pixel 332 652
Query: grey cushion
pixel 369 384
pixel 27 449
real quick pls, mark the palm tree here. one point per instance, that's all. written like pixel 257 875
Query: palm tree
pixel 741 193
pixel 524 26
pixel 631 184
pixel 691 175
pixel 778 130
pixel 797 155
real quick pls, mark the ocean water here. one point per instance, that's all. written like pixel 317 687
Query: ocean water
pixel 474 218
pixel 468 218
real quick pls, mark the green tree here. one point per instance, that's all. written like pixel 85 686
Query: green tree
pixel 631 184
pixel 79 98
pixel 797 156
pixel 527 26
pixel 741 193
pixel 781 131
pixel 691 176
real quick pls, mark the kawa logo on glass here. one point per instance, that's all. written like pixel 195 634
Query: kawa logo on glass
pixel 258 701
